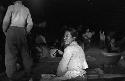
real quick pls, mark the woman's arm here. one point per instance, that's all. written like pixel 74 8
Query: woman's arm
pixel 62 68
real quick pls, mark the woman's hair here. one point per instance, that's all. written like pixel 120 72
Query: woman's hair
pixel 73 32
pixel 17 1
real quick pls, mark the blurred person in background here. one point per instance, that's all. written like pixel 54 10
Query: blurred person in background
pixel 102 39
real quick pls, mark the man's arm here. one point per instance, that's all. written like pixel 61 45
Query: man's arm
pixel 29 22
pixel 7 19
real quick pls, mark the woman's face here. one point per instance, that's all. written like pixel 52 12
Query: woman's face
pixel 68 38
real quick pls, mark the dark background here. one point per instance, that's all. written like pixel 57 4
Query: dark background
pixel 108 14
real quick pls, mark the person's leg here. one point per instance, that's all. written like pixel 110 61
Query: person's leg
pixel 27 61
pixel 26 58
pixel 10 54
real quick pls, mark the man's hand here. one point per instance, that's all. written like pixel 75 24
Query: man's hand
pixel 28 30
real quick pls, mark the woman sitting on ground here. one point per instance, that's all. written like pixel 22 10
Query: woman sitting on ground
pixel 73 62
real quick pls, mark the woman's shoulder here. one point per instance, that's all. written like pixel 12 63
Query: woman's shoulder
pixel 71 48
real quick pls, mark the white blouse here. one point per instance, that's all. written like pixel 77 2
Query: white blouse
pixel 73 62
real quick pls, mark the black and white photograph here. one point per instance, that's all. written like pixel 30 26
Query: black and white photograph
pixel 62 40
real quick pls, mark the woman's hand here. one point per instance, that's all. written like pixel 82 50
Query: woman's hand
pixel 60 52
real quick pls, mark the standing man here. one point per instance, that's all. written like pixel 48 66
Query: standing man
pixel 16 24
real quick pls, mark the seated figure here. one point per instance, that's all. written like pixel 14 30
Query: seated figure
pixel 73 62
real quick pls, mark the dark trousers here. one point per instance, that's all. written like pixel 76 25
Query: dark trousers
pixel 16 49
